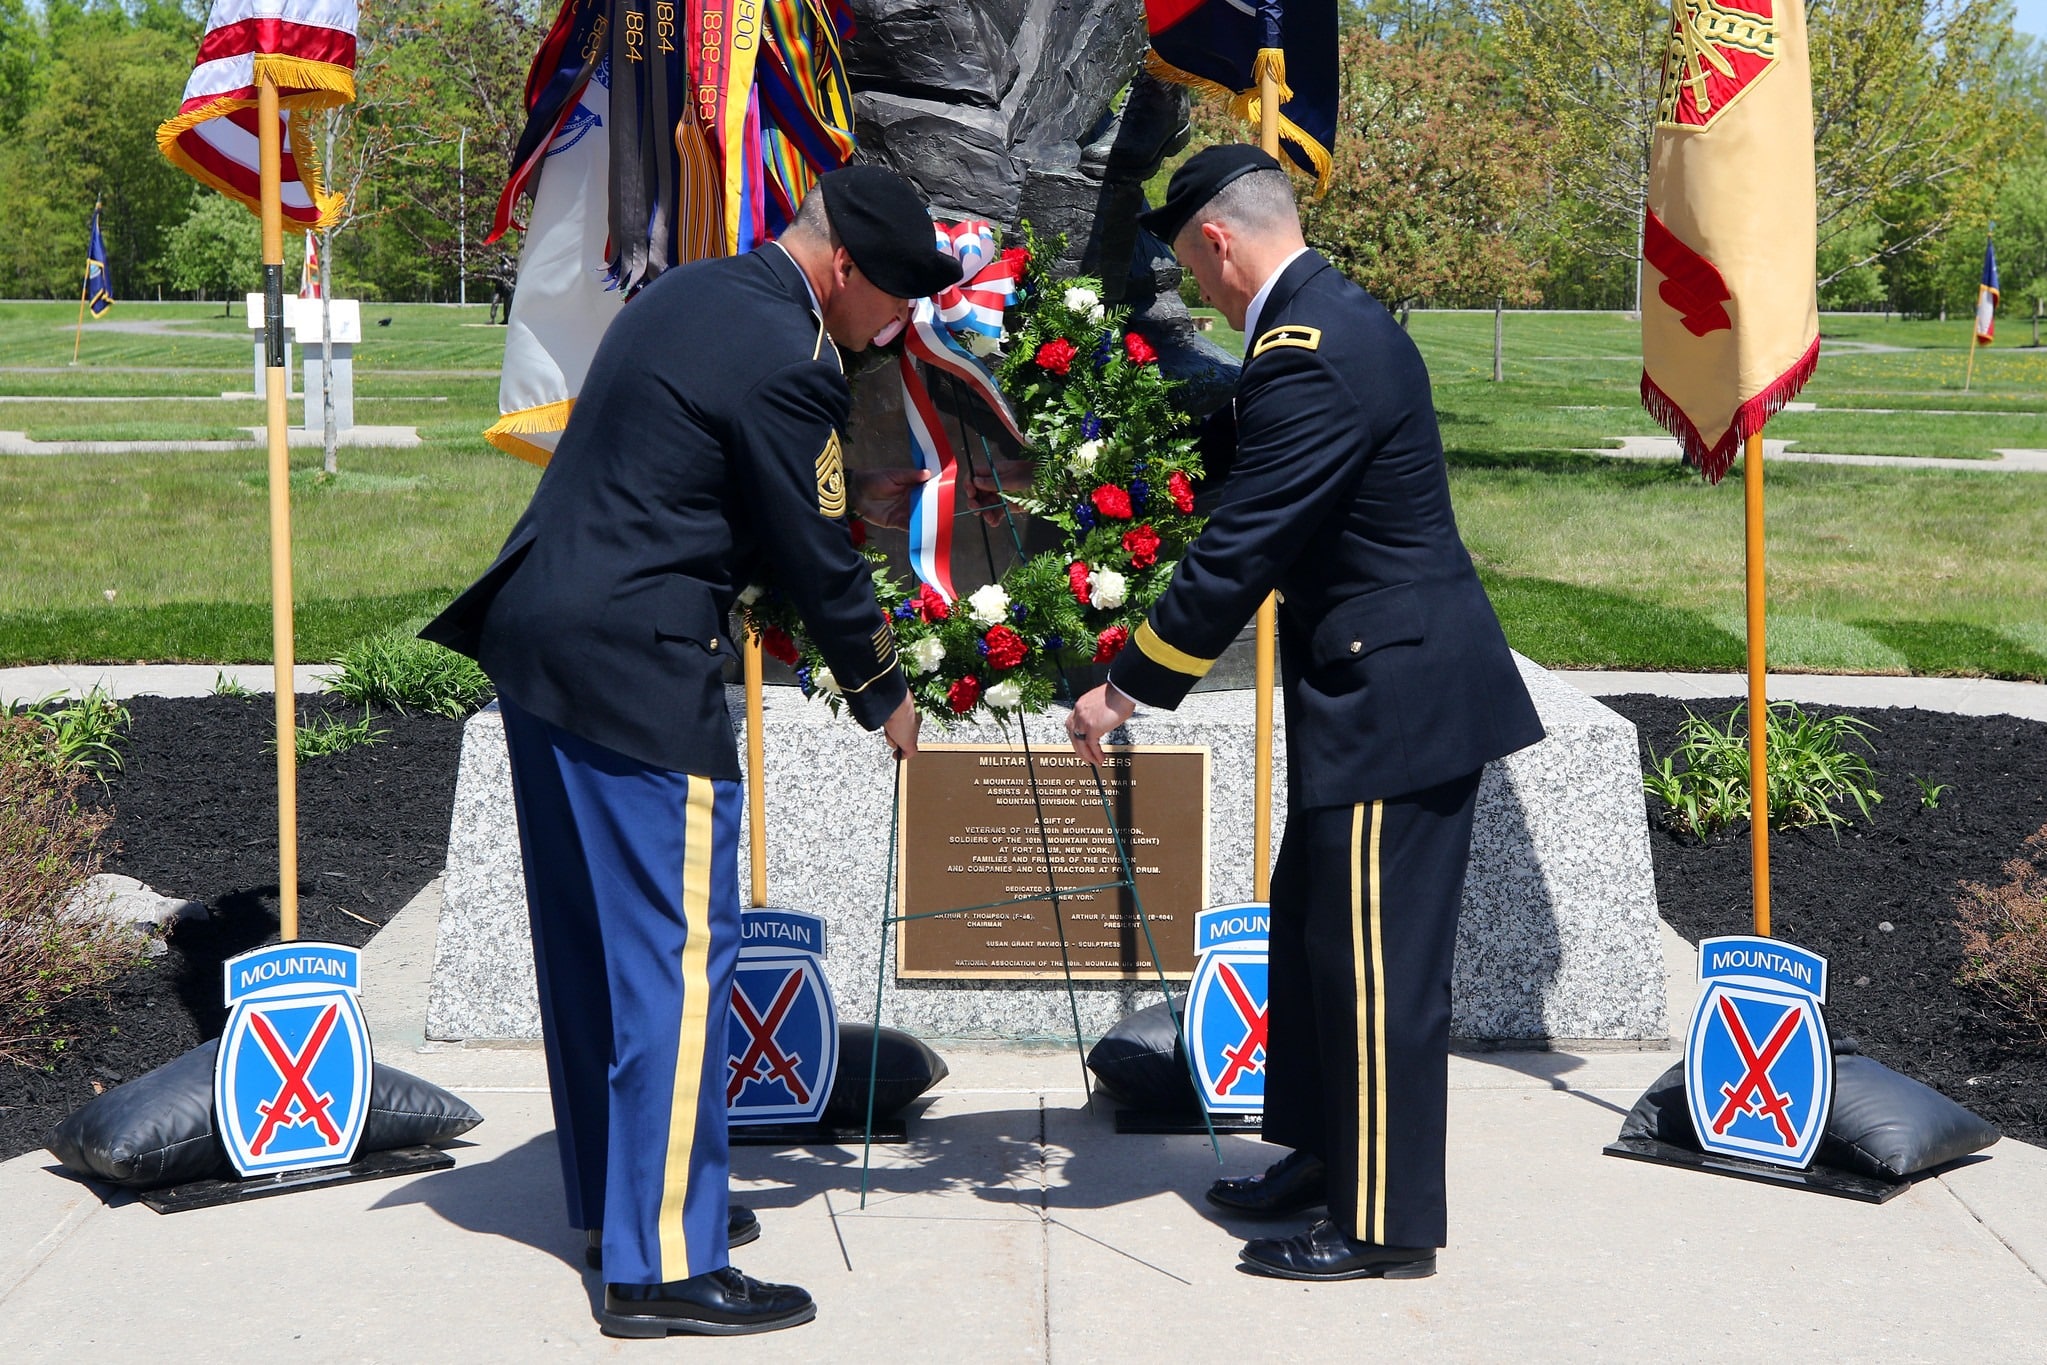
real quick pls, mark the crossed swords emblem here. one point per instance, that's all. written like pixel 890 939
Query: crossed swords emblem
pixel 294 1091
pixel 1754 1094
pixel 1245 1057
pixel 764 1058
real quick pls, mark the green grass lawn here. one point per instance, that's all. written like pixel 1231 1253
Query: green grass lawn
pixel 1592 562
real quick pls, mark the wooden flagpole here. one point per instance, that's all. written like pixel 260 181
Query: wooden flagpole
pixel 1758 701
pixel 1969 375
pixel 1268 617
pixel 270 151
pixel 756 795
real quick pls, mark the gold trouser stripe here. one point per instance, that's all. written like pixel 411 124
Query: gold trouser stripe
pixel 691 1036
pixel 1371 1025
pixel 1163 654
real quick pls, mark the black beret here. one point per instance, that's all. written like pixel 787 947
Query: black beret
pixel 1201 178
pixel 883 224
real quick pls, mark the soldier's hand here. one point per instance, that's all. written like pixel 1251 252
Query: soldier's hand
pixel 1094 716
pixel 900 729
pixel 1010 479
pixel 882 497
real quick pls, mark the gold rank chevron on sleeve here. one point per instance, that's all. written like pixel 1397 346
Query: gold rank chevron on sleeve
pixel 831 478
pixel 1307 338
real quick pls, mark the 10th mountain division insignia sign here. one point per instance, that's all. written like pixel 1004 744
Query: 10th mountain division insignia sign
pixel 782 1043
pixel 1717 50
pixel 1226 1006
pixel 1759 1069
pixel 291 1083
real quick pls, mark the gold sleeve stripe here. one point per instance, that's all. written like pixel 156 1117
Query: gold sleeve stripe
pixel 885 643
pixel 1163 654
pixel 890 671
pixel 1307 338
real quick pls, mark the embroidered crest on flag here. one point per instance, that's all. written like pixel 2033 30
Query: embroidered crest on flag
pixel 291 1084
pixel 1227 1003
pixel 1759 1068
pixel 782 1043
pixel 1716 51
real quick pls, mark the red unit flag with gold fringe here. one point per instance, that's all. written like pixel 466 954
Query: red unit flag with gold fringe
pixel 1730 303
pixel 307 49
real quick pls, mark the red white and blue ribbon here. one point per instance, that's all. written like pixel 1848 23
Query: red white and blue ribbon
pixel 972 307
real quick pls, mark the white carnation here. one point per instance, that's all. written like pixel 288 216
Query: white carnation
pixel 823 681
pixel 1107 588
pixel 1004 695
pixel 926 655
pixel 1085 456
pixel 989 605
pixel 750 594
pixel 1083 300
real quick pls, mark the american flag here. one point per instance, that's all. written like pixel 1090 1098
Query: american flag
pixel 307 49
pixel 1987 296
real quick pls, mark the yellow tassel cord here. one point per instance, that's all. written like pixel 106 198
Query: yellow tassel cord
pixel 304 88
pixel 506 432
pixel 1247 106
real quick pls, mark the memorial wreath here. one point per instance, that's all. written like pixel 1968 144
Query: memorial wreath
pixel 1115 471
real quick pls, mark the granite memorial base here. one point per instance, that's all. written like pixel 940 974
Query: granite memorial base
pixel 1558 942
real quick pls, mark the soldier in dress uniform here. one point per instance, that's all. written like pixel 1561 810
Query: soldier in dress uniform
pixel 1398 688
pixel 702 455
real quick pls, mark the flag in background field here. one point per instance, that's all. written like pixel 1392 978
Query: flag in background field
pixel 1986 295
pixel 1220 48
pixel 309 274
pixel 307 48
pixel 1730 304
pixel 99 286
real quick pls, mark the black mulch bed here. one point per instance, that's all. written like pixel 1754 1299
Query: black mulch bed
pixel 1879 905
pixel 195 816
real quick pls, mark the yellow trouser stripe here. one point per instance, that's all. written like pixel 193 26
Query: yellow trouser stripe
pixel 1163 654
pixel 1371 1025
pixel 692 1033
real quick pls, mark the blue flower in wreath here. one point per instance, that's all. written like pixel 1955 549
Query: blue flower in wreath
pixel 982 646
pixel 906 611
pixel 803 678
pixel 1084 516
pixel 1140 493
pixel 1020 611
pixel 1055 643
pixel 1090 427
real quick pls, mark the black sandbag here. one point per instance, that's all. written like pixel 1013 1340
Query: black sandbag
pixel 902 1066
pixel 1140 1062
pixel 1883 1125
pixel 157 1129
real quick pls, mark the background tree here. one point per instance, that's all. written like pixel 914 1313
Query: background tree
pixel 217 249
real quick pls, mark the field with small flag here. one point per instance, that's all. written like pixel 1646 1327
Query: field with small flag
pixel 1592 561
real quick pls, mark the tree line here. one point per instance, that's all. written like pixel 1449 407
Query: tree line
pixel 1487 149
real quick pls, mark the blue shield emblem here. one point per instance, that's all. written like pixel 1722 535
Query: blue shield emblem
pixel 782 1044
pixel 291 1083
pixel 1226 1007
pixel 1759 1069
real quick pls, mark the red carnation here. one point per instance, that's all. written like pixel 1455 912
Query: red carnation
pixel 1017 259
pixel 1006 648
pixel 962 695
pixel 1138 349
pixel 1076 577
pixel 1112 501
pixel 1056 356
pixel 779 646
pixel 1143 544
pixel 1182 492
pixel 1110 643
pixel 858 530
pixel 929 605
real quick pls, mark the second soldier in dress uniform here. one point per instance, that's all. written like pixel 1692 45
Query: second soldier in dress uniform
pixel 1398 688
pixel 702 455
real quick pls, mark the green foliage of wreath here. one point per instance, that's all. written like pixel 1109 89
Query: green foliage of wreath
pixel 1115 468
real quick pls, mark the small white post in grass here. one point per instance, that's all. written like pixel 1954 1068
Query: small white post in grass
pixel 1499 328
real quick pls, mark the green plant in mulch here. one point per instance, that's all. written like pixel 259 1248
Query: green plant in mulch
pixel 49 846
pixel 2004 936
pixel 399 669
pixel 224 686
pixel 323 736
pixel 82 733
pixel 1814 769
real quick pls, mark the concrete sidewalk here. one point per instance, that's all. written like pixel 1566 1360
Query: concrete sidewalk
pixel 1016 1225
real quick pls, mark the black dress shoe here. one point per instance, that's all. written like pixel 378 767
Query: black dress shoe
pixel 1294 1184
pixel 1324 1253
pixel 741 1227
pixel 720 1303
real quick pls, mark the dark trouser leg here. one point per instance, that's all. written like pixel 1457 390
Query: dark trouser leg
pixel 1293 1047
pixel 1387 884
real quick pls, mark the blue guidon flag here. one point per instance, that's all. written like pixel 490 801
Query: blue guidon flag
pixel 1226 1006
pixel 99 286
pixel 291 1085
pixel 782 1043
pixel 1220 48
pixel 1759 1069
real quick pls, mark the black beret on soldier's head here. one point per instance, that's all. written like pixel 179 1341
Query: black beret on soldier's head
pixel 1199 180
pixel 884 226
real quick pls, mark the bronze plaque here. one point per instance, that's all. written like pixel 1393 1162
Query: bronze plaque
pixel 971 838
